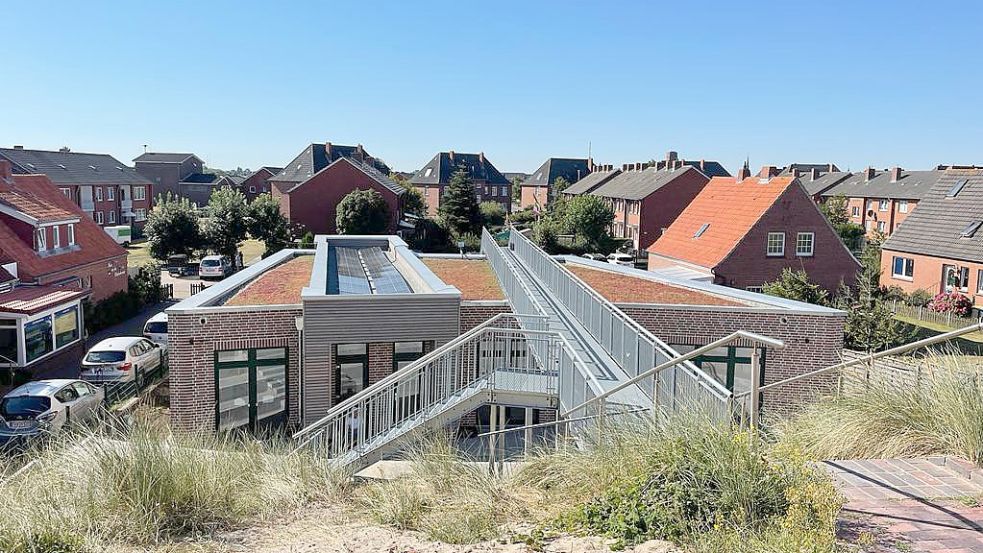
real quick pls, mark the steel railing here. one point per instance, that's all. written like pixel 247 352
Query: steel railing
pixel 633 347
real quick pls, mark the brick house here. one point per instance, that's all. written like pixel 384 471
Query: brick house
pixel 536 191
pixel 940 246
pixel 182 175
pixel 744 233
pixel 316 157
pixel 52 256
pixel 600 175
pixel 312 203
pixel 258 182
pixel 489 184
pixel 647 201
pixel 880 201
pixel 109 192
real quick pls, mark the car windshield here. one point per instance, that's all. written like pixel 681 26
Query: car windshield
pixel 210 263
pixel 105 356
pixel 24 406
pixel 156 327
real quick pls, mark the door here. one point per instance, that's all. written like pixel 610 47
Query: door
pixel 87 402
pixel 251 389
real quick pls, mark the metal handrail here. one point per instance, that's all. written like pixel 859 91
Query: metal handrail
pixel 893 351
pixel 558 422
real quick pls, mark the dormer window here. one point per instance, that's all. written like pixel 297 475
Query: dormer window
pixel 71 235
pixel 41 239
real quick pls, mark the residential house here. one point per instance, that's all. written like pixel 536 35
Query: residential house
pixel 258 182
pixel 108 191
pixel 880 201
pixel 489 183
pixel 673 161
pixel 647 201
pixel 198 187
pixel 52 256
pixel 313 203
pixel 940 245
pixel 598 176
pixel 168 170
pixel 745 232
pixel 537 190
pixel 316 157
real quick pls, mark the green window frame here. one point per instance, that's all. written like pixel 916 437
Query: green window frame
pixel 253 361
pixel 731 361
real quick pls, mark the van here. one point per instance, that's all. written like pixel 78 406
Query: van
pixel 121 234
pixel 156 330
pixel 215 266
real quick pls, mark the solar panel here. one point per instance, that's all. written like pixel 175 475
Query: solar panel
pixel 384 276
pixel 351 276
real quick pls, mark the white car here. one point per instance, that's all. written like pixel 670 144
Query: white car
pixel 214 266
pixel 156 330
pixel 45 407
pixel 122 359
pixel 622 259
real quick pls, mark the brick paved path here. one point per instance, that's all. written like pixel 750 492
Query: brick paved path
pixel 927 504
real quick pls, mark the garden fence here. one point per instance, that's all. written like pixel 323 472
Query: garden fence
pixel 925 314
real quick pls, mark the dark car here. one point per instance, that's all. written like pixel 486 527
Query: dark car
pixel 178 266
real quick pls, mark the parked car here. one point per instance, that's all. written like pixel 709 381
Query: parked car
pixel 178 266
pixel 121 359
pixel 215 266
pixel 622 259
pixel 594 256
pixel 46 407
pixel 155 330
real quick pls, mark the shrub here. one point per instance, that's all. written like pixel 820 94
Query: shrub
pixel 919 298
pixel 523 218
pixel 493 213
pixel 429 236
pixel 110 311
pixel 795 285
pixel 951 302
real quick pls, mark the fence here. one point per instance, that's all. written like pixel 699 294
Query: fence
pixel 894 372
pixel 925 314
pixel 197 287
pixel 121 391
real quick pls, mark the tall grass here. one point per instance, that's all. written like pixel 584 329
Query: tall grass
pixel 144 486
pixel 943 415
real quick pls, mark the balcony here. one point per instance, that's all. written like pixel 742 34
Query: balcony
pixel 87 205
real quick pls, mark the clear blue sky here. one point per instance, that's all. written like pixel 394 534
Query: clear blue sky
pixel 246 83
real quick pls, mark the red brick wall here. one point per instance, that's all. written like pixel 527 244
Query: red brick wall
pixel 258 181
pixel 314 204
pixel 531 196
pixel 811 341
pixel 192 348
pixel 108 277
pixel 793 212
pixel 927 274
pixel 892 217
pixel 431 195
pixel 380 361
pixel 660 209
pixel 475 313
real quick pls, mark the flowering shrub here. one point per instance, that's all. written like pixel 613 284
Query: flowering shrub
pixel 951 302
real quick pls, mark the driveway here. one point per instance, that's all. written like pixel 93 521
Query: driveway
pixel 129 327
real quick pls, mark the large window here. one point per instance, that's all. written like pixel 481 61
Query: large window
pixel 882 205
pixel 8 342
pixel 731 365
pixel 776 244
pixel 251 388
pixel 903 206
pixel 804 244
pixel 66 326
pixel 405 353
pixel 139 193
pixel 351 369
pixel 38 340
pixel 902 267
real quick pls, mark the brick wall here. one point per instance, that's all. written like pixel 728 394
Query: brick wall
pixel 380 361
pixel 473 313
pixel 314 204
pixel 532 196
pixel 927 274
pixel 811 341
pixel 108 276
pixel 192 346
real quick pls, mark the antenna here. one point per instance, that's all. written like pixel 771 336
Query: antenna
pixel 144 148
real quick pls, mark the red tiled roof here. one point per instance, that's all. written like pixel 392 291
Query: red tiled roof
pixel 27 300
pixel 31 206
pixel 94 244
pixel 731 208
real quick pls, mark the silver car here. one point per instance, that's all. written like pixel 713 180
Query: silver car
pixel 46 407
pixel 122 359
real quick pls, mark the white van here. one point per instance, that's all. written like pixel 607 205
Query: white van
pixel 122 234
pixel 156 330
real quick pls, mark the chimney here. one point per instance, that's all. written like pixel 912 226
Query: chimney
pixel 624 166
pixel 767 171
pixel 794 172
pixel 450 154
pixel 360 151
pixel 18 147
pixel 5 171
pixel 895 174
pixel 671 156
pixel 64 149
pixel 327 149
pixel 481 157
pixel 868 173
pixel 831 168
pixel 703 165
pixel 813 174
pixel 638 166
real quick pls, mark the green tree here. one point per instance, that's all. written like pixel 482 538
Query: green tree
pixel 227 223
pixel 414 202
pixel 267 224
pixel 362 212
pixel 835 211
pixel 431 237
pixel 459 210
pixel 559 185
pixel 795 285
pixel 870 323
pixel 516 190
pixel 493 213
pixel 172 227
pixel 589 218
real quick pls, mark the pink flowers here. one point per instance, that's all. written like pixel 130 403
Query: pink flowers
pixel 951 302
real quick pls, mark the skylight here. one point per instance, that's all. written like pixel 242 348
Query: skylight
pixel 703 229
pixel 971 229
pixel 957 188
pixel 62 166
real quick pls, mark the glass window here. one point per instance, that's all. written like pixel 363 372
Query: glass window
pixel 105 356
pixel 776 243
pixel 804 242
pixel 881 226
pixel 882 205
pixel 352 349
pixel 233 356
pixel 112 216
pixel 903 206
pixel 21 406
pixel 351 369
pixel 38 338
pixel 902 267
pixel 56 237
pixel 42 239
pixel 270 353
pixel 8 343
pixel 856 211
pixel 71 235
pixel 139 193
pixel 110 193
pixel 271 389
pixel 405 353
pixel 66 326
pixel 98 193
pixel 251 388
pixel 233 397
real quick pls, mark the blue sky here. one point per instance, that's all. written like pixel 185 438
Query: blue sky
pixel 248 83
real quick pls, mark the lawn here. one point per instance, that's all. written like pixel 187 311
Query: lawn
pixel 139 254
pixel 971 343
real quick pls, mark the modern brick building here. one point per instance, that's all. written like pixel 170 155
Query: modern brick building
pixel 258 182
pixel 489 184
pixel 313 203
pixel 537 190
pixel 109 192
pixel 940 246
pixel 744 233
pixel 880 201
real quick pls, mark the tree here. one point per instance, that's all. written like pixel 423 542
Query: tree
pixel 589 217
pixel 835 211
pixel 870 323
pixel 459 205
pixel 227 221
pixel 362 212
pixel 559 185
pixel 516 190
pixel 493 213
pixel 414 202
pixel 430 237
pixel 267 223
pixel 795 285
pixel 172 227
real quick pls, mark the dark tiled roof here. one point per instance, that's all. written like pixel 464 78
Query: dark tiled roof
pixel 912 185
pixel 555 167
pixel 270 168
pixel 369 170
pixel 805 168
pixel 935 227
pixel 636 185
pixel 201 178
pixel 823 182
pixel 442 166
pixel 318 156
pixel 708 168
pixel 509 175
pixel 72 168
pixel 591 182
pixel 162 157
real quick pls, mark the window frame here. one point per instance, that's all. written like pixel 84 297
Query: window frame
pixel 139 193
pixel 71 234
pixel 340 359
pixel 112 217
pixel 907 266
pixel 768 244
pixel 41 236
pixel 883 205
pixel 812 244
pixel 98 193
pixel 902 206
pixel 110 194
pixel 251 363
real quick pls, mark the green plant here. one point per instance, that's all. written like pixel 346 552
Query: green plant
pixel 413 201
pixel 267 223
pixel 795 285
pixel 493 213
pixel 145 285
pixel 227 222
pixel 172 227
pixel 870 323
pixel 458 210
pixel 362 212
pixel 919 298
pixel 589 218
pixel 430 236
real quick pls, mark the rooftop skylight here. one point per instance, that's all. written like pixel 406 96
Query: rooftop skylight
pixel 971 229
pixel 703 229
pixel 957 188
